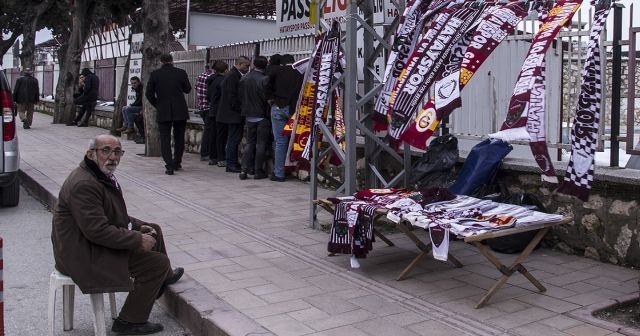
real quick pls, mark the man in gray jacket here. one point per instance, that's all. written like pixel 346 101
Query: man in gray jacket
pixel 255 109
pixel 25 94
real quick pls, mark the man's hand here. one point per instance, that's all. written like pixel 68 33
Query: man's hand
pixel 148 242
pixel 148 230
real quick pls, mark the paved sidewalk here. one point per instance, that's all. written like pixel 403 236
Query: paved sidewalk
pixel 254 267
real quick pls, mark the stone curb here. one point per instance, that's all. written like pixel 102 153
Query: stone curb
pixel 190 303
pixel 586 314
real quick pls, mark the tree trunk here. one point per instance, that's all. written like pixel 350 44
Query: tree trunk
pixel 5 45
pixel 155 26
pixel 29 33
pixel 83 12
pixel 122 97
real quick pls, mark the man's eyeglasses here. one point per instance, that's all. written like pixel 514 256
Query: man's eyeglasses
pixel 107 151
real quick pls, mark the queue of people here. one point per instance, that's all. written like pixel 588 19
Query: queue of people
pixel 251 99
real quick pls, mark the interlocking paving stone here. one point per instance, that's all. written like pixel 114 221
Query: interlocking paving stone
pixel 586 329
pixel 522 317
pixel 405 319
pixel 285 325
pixel 331 303
pixel 553 304
pixel 341 331
pixel 537 329
pixel 277 308
pixel 340 320
pixel 561 322
pixel 309 314
pixel 377 305
pixel 381 327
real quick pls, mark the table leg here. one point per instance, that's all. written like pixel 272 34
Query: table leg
pixel 425 249
pixel 508 271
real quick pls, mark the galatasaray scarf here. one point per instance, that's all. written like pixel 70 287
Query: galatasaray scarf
pixel 300 123
pixel 579 175
pixel 425 63
pixel 526 116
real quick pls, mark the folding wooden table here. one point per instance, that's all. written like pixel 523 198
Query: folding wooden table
pixel 476 241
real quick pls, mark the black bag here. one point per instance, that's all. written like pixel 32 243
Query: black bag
pixel 515 243
pixel 435 167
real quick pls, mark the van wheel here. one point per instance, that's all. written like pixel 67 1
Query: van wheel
pixel 10 195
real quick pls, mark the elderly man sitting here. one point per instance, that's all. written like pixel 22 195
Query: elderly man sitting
pixel 101 247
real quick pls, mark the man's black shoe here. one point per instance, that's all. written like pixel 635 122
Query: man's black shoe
pixel 260 176
pixel 233 169
pixel 213 162
pixel 26 127
pixel 276 178
pixel 242 176
pixel 169 171
pixel 177 167
pixel 73 123
pixel 204 158
pixel 83 125
pixel 175 275
pixel 122 327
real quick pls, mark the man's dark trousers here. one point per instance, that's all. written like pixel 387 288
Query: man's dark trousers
pixel 86 110
pixel 255 149
pixel 139 122
pixel 205 147
pixel 222 133
pixel 150 269
pixel 179 126
pixel 233 141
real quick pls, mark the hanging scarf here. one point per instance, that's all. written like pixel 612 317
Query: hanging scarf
pixel 339 128
pixel 526 115
pixel 425 63
pixel 584 134
pixel 301 121
pixel 329 53
pixel 404 42
pixel 494 26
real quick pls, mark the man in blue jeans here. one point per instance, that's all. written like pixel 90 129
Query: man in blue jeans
pixel 283 89
pixel 130 112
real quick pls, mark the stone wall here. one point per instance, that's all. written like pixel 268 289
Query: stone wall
pixel 605 228
pixel 103 116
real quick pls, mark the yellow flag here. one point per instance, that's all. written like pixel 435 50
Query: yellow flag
pixel 313 8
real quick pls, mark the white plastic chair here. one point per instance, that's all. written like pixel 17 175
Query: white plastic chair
pixel 58 280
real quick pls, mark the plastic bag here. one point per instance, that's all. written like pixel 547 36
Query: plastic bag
pixel 436 165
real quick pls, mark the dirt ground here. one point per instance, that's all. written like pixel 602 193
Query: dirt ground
pixel 627 314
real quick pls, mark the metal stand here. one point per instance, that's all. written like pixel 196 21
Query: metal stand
pixel 358 107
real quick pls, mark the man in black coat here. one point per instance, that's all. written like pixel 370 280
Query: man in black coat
pixel 165 91
pixel 255 109
pixel 217 132
pixel 229 111
pixel 25 94
pixel 87 100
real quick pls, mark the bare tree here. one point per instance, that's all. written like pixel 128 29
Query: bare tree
pixel 83 13
pixel 155 26
pixel 29 27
